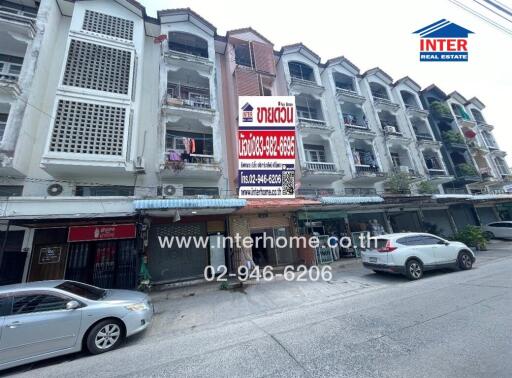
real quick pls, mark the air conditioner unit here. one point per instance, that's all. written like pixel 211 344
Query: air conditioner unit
pixel 54 190
pixel 390 129
pixel 172 190
pixel 404 169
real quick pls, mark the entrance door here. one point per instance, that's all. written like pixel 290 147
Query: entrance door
pixel 48 262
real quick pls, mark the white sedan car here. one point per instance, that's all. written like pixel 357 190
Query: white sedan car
pixel 498 230
pixel 413 253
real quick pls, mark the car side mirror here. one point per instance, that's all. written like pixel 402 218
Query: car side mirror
pixel 72 305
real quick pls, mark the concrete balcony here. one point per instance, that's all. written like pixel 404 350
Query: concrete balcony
pixel 484 126
pixel 320 172
pixel 386 104
pixel 177 108
pixel 439 176
pixel 198 166
pixel 347 95
pixel 465 122
pixel 18 24
pixel 317 124
pixel 366 174
pixel 79 165
pixel 178 59
pixel 305 86
pixel 9 85
pixel 414 110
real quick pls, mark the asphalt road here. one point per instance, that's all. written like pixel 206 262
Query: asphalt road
pixel 445 325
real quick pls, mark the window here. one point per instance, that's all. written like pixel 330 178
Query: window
pixel 5 305
pixel 104 191
pixel 243 55
pixel 378 91
pixel 97 67
pixel 86 128
pixel 395 157
pixel 315 153
pixel 174 140
pixel 26 304
pixel 82 290
pixel 108 25
pixel 419 240
pixel 432 162
pixel 11 190
pixel 301 71
pixel 188 44
pixel 22 10
pixel 10 65
pixel 3 123
pixel 306 112
pixel 201 191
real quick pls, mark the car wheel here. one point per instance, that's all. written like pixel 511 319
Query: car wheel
pixel 414 270
pixel 488 235
pixel 104 336
pixel 465 261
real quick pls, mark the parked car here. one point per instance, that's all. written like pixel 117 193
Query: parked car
pixel 412 254
pixel 498 230
pixel 39 320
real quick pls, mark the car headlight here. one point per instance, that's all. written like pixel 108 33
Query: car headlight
pixel 137 307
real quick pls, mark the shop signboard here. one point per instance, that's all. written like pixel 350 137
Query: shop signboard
pixel 266 147
pixel 50 255
pixel 101 232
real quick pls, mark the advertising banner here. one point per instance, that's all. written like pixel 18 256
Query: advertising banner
pixel 266 147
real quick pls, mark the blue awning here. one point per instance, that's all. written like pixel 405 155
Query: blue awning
pixel 188 203
pixel 350 200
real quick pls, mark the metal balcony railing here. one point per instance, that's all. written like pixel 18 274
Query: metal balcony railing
pixel 423 136
pixel 352 120
pixel 436 172
pixel 360 191
pixel 312 122
pixel 365 170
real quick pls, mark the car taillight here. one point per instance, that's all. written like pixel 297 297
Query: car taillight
pixel 387 248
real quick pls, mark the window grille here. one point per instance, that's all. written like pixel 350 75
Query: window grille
pixel 108 25
pixel 97 67
pixel 84 128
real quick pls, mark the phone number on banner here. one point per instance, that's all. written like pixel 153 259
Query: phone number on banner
pixel 266 144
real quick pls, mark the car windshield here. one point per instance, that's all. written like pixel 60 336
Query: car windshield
pixel 86 291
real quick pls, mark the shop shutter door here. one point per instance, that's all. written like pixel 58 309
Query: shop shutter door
pixel 486 215
pixel 247 82
pixel 268 222
pixel 174 263
pixel 463 216
pixel 263 57
pixel 440 219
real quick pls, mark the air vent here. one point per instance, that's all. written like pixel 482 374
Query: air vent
pixel 105 24
pixel 86 128
pixel 97 67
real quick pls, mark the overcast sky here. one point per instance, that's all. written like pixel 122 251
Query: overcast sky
pixel 379 33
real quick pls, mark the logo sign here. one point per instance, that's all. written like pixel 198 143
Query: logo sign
pixel 443 41
pixel 266 147
pixel 101 232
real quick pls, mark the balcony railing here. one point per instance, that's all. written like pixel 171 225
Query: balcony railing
pixel 316 192
pixel 187 96
pixel 405 169
pixel 312 122
pixel 360 191
pixel 423 136
pixel 436 172
pixel 176 160
pixel 321 166
pixel 351 120
pixel 367 170
pixel 8 77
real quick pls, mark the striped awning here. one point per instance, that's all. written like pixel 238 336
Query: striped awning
pixel 188 203
pixel 347 200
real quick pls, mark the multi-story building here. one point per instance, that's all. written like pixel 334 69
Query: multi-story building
pixel 117 128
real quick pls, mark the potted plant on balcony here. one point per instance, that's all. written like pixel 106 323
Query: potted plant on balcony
pixel 399 183
pixel 453 136
pixel 426 187
pixel 440 109
pixel 466 169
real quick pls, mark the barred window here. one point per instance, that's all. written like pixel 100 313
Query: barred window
pixel 97 67
pixel 83 128
pixel 102 23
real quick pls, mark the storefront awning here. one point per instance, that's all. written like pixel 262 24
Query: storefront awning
pixel 188 203
pixel 350 200
pixel 321 215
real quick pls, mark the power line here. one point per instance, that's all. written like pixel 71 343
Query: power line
pixel 486 19
pixel 491 10
pixel 500 6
